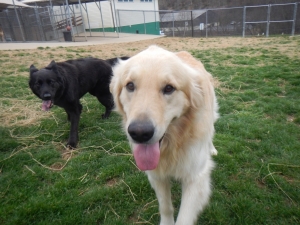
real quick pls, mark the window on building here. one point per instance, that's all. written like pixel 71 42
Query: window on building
pixel 146 0
pixel 125 0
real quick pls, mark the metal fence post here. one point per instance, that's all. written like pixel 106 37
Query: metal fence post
pixel 101 18
pixel 70 19
pixel 144 23
pixel 80 5
pixel 112 15
pixel 206 23
pixel 294 19
pixel 119 20
pixel 21 29
pixel 268 20
pixel 99 7
pixel 88 18
pixel 9 21
pixel 244 20
pixel 117 25
pixel 173 22
pixel 74 16
pixel 63 16
pixel 65 13
pixel 192 23
pixel 39 23
pixel 53 21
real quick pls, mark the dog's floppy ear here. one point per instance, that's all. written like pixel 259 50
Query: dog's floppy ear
pixel 196 92
pixel 194 77
pixel 33 69
pixel 116 84
pixel 52 66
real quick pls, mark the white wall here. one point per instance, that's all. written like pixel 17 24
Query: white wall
pixel 136 5
pixel 108 9
pixel 95 17
pixel 133 17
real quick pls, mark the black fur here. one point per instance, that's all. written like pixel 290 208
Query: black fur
pixel 64 83
pixel 114 61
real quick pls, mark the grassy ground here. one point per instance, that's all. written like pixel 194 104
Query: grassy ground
pixel 257 177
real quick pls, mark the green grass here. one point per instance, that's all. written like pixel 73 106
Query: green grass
pixel 257 174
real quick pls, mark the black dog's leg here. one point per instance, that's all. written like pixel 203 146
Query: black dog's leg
pixel 107 101
pixel 68 115
pixel 74 116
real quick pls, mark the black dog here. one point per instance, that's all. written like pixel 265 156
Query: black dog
pixel 64 83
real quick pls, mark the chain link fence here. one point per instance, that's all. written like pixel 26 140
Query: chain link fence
pixel 38 24
pixel 273 19
pixel 45 24
pixel 139 22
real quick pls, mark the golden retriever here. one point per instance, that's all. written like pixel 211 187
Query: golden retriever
pixel 168 105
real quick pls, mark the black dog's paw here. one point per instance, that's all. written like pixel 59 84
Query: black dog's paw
pixel 71 144
pixel 104 116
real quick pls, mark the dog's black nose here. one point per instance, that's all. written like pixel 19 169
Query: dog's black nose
pixel 141 131
pixel 47 95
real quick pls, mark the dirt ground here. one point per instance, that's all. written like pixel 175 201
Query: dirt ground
pixel 189 44
pixel 41 57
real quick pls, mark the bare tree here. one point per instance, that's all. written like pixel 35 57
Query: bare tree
pixel 204 4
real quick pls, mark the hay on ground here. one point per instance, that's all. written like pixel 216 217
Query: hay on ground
pixel 16 112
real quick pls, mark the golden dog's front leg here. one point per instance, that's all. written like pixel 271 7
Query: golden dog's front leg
pixel 195 196
pixel 162 189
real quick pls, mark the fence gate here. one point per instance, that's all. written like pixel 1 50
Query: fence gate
pixel 138 21
pixel 270 19
pixel 38 24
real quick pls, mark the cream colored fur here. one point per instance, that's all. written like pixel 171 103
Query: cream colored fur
pixel 183 121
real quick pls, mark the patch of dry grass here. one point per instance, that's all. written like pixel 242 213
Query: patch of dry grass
pixel 18 112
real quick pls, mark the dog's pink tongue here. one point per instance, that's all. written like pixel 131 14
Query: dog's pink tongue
pixel 46 105
pixel 146 156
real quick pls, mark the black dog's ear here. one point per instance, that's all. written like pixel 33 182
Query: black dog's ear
pixel 33 69
pixel 52 63
pixel 52 66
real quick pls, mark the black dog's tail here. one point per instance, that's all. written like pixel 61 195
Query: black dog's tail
pixel 114 61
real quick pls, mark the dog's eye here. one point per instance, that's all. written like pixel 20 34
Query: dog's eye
pixel 168 89
pixel 130 87
pixel 38 84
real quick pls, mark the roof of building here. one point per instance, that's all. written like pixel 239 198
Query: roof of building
pixel 56 2
pixel 4 4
